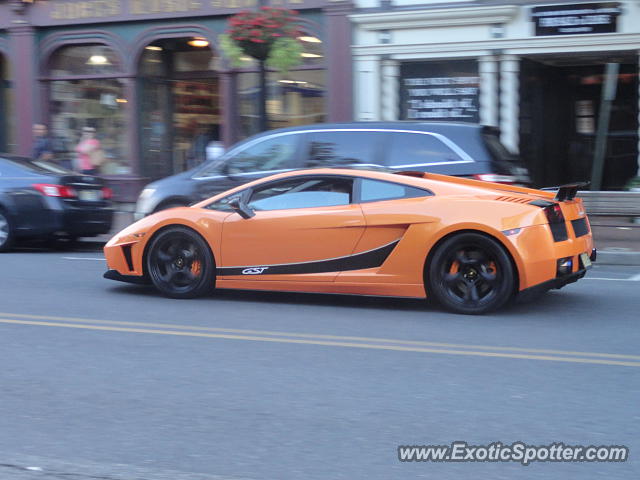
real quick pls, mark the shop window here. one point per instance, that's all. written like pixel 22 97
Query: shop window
pixel 297 98
pixel 85 60
pixel 99 103
pixel 90 103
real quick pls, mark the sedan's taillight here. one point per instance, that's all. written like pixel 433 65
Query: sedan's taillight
pixel 51 190
pixel 496 178
pixel 107 193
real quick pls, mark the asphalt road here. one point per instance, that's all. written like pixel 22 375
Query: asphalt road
pixel 111 381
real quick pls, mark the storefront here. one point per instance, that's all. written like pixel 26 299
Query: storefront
pixel 535 70
pixel 150 78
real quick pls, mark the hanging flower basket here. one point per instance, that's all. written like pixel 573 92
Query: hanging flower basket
pixel 268 34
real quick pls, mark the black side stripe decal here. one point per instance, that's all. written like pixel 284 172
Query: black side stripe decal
pixel 370 259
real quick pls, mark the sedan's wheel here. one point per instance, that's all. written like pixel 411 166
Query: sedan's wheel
pixel 180 264
pixel 6 232
pixel 471 274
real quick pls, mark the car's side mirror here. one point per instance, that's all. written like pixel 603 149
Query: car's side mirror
pixel 241 208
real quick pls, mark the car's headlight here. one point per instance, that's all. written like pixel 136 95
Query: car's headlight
pixel 143 205
pixel 146 193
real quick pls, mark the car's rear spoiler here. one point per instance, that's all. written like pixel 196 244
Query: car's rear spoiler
pixel 567 191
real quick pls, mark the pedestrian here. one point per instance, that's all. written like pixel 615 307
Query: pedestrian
pixel 42 145
pixel 89 151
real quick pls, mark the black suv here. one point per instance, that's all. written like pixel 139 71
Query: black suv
pixel 459 149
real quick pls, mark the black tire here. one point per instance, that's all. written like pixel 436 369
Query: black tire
pixel 180 264
pixel 471 274
pixel 6 232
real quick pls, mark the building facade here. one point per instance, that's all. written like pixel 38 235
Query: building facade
pixel 534 69
pixel 150 77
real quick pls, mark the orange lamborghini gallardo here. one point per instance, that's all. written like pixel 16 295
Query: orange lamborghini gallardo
pixel 470 245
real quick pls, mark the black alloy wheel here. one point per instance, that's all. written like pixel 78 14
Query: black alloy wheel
pixel 180 263
pixel 471 274
pixel 6 232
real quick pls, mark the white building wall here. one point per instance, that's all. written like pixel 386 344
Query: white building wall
pixel 457 30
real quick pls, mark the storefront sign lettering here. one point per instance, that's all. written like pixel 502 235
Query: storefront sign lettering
pixel 87 9
pixel 84 11
pixel 144 7
pixel 450 94
pixel 576 19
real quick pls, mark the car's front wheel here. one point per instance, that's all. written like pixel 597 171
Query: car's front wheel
pixel 180 263
pixel 6 231
pixel 471 274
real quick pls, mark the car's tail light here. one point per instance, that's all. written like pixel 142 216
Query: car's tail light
pixel 496 178
pixel 107 193
pixel 51 190
pixel 556 221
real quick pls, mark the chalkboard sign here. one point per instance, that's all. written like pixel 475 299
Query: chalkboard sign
pixel 581 18
pixel 441 91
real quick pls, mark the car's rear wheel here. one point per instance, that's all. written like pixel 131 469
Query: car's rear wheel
pixel 180 263
pixel 471 274
pixel 6 232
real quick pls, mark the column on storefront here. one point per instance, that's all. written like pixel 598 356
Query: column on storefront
pixel 488 66
pixel 22 48
pixel 390 101
pixel 367 88
pixel 339 63
pixel 509 98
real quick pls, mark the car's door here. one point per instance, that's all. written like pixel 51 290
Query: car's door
pixel 302 227
pixel 251 161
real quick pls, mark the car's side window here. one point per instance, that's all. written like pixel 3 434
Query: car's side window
pixel 376 190
pixel 305 192
pixel 406 149
pixel 273 153
pixel 338 148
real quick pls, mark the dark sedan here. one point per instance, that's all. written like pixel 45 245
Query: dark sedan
pixel 42 200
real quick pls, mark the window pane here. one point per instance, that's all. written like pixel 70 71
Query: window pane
pixel 416 148
pixel 374 190
pixel 85 60
pixel 303 193
pixel 275 153
pixel 297 99
pixel 90 103
pixel 341 148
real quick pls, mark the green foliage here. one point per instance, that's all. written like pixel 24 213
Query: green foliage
pixel 231 50
pixel 284 54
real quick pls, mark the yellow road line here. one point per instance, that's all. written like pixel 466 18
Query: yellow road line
pixel 325 337
pixel 326 343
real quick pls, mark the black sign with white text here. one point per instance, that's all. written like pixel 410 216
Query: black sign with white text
pixel 446 91
pixel 576 19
